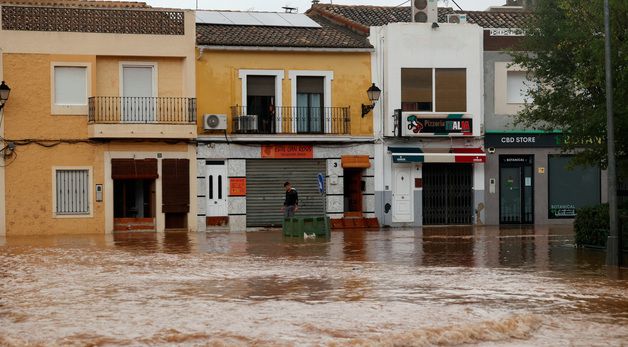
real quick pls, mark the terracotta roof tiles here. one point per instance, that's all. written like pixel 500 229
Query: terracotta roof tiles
pixel 77 3
pixel 329 35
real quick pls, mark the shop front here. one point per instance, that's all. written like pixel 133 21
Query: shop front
pixel 436 186
pixel 531 181
pixel 241 185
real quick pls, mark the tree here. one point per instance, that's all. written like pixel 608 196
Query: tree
pixel 563 52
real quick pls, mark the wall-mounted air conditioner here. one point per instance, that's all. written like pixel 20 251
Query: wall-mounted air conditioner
pixel 424 11
pixel 245 124
pixel 458 18
pixel 215 122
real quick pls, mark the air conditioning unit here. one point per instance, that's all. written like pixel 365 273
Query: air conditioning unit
pixel 458 18
pixel 215 122
pixel 245 124
pixel 424 11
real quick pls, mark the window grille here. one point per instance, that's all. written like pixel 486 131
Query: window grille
pixel 72 192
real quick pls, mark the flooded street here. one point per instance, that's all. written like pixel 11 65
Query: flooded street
pixel 508 287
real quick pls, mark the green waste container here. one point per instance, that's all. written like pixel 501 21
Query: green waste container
pixel 298 226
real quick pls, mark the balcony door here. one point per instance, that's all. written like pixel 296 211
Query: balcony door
pixel 310 102
pixel 260 101
pixel 138 94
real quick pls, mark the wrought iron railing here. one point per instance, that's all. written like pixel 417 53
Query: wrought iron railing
pixel 142 110
pixel 291 120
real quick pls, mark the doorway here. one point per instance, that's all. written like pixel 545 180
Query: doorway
pixel 447 194
pixel 260 101
pixel 216 189
pixel 516 189
pixel 353 192
pixel 134 205
pixel 403 204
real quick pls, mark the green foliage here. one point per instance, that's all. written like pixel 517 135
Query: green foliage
pixel 563 52
pixel 592 226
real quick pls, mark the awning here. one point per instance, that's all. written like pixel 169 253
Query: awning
pixel 437 155
pixel 130 169
pixel 356 162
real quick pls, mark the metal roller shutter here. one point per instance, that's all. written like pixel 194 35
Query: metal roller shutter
pixel 265 193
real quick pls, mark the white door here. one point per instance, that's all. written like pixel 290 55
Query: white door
pixel 403 204
pixel 138 91
pixel 217 189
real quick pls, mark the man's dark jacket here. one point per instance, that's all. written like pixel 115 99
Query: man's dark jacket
pixel 292 198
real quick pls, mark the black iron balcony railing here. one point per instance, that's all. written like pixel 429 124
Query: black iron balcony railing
pixel 142 110
pixel 291 120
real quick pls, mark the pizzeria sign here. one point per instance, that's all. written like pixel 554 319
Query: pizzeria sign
pixel 420 126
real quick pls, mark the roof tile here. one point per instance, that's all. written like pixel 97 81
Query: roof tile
pixel 329 35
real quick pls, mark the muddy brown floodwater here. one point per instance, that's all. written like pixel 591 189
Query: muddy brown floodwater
pixel 441 286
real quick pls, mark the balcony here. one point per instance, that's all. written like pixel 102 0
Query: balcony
pixel 142 117
pixel 291 120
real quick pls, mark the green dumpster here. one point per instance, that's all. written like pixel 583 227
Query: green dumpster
pixel 299 226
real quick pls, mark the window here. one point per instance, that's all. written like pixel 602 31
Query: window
pixel 518 87
pixel 564 200
pixel 451 90
pixel 416 90
pixel 310 96
pixel 70 88
pixel 72 195
pixel 434 90
pixel 70 85
pixel 260 101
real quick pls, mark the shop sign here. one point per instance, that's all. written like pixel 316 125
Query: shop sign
pixel 562 211
pixel 287 152
pixel 418 126
pixel 237 186
pixel 522 140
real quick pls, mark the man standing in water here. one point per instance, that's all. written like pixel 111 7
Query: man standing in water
pixel 291 203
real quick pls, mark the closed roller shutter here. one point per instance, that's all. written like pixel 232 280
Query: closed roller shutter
pixel 265 193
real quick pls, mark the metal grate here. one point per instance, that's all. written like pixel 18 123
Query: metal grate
pixel 68 19
pixel 447 194
pixel 72 188
pixel 142 110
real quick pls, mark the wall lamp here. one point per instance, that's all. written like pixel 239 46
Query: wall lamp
pixel 374 93
pixel 4 94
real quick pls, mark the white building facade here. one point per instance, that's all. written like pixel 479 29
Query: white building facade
pixel 429 161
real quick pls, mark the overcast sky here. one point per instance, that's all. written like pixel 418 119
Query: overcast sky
pixel 303 5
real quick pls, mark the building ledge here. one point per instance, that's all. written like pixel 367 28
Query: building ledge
pixel 285 138
pixel 141 131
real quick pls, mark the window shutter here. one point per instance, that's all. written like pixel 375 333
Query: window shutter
pixel 72 192
pixel 70 85
pixel 176 185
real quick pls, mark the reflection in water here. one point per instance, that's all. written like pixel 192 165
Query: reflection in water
pixel 419 287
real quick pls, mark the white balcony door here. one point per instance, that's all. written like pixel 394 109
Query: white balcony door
pixel 138 91
pixel 403 205
pixel 217 189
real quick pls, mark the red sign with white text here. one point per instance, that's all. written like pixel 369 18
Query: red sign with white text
pixel 287 152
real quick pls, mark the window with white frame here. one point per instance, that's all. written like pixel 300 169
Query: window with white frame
pixel 434 90
pixel 517 87
pixel 72 192
pixel 70 85
pixel 70 88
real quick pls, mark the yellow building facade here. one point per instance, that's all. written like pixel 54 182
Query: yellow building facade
pixel 277 103
pixel 98 131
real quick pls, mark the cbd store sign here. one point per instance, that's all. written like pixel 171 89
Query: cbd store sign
pixel 454 125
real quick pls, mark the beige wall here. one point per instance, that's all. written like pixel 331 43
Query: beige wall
pixel 29 196
pixel 99 44
pixel 219 86
pixel 502 107
pixel 170 80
